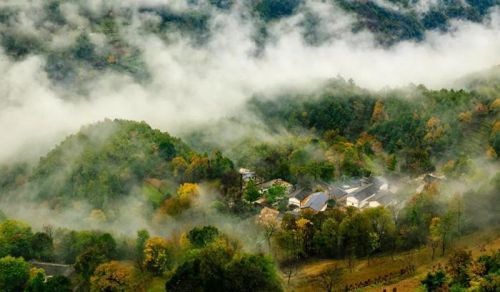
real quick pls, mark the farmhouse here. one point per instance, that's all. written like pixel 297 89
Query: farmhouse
pixel 246 174
pixel 317 202
pixel 296 197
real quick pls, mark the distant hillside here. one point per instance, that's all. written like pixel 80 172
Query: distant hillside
pixel 103 37
pixel 415 123
pixel 342 130
pixel 103 161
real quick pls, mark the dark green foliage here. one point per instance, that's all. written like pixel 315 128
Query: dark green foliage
pixel 251 191
pixel 202 236
pixel 12 176
pixel 73 244
pixel 88 261
pixel 16 239
pixel 276 9
pixel 103 161
pixel 252 273
pixel 480 274
pixel 36 282
pixel 194 24
pixel 390 26
pixel 19 45
pixel 43 247
pixel 53 12
pixel 14 273
pixel 495 142
pixel 214 269
pixel 222 4
pixel 57 284
pixel 274 193
pixel 481 199
pixel 415 130
pixel 140 243
pixel 83 49
pixel 435 281
pixel 204 272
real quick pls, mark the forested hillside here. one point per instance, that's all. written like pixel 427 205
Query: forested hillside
pixel 343 130
pixel 103 45
pixel 106 161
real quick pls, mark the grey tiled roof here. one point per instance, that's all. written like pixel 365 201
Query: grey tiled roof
pixel 315 201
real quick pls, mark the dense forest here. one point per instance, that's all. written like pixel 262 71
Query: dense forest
pixel 342 131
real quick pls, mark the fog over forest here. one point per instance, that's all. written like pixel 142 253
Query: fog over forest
pixel 181 79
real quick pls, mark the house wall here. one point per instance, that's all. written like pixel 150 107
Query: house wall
pixel 294 201
pixel 352 201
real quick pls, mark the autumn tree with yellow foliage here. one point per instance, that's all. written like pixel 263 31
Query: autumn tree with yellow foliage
pixel 173 206
pixel 113 276
pixel 158 255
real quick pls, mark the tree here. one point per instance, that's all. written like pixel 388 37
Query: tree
pixel 459 263
pixel 252 273
pixel 204 271
pixel 289 251
pixel 435 281
pixel 112 276
pixel 434 235
pixel 15 239
pixel 14 273
pixel 383 229
pixel 88 261
pixel 251 191
pixel 140 244
pixel 202 236
pixel 270 226
pixel 446 229
pixel 158 255
pixel 354 234
pixel 42 245
pixel 58 284
pixel 326 239
pixel 331 278
pixel 75 243
pixel 186 193
pixel 36 282
pixel 275 192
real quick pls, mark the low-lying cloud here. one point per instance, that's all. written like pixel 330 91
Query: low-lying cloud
pixel 192 84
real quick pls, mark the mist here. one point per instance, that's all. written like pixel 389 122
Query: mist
pixel 191 84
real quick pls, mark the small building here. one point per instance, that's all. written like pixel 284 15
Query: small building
pixel 359 196
pixel 247 174
pixel 317 202
pixel 296 197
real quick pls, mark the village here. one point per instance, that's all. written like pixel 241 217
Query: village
pixel 278 197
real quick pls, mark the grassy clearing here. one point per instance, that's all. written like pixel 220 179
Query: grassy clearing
pixel 306 278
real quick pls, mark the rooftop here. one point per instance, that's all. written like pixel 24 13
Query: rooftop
pixel 316 201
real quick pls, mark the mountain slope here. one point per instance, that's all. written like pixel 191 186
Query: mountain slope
pixel 104 160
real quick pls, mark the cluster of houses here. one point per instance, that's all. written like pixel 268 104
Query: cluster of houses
pixel 359 193
pixel 367 192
